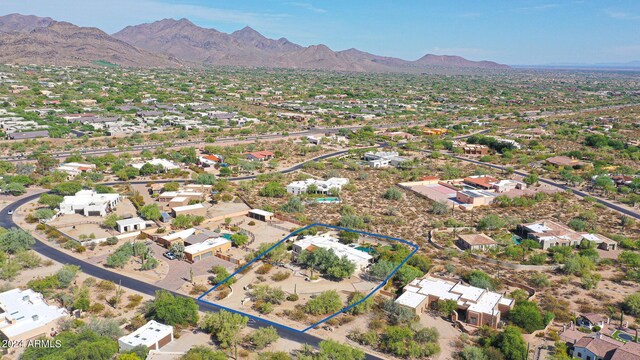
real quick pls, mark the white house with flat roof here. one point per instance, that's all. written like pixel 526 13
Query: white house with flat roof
pixel 89 203
pixel 131 224
pixel 322 186
pixel 360 258
pixel 383 159
pixel 74 169
pixel 476 306
pixel 153 335
pixel 166 164
pixel 25 315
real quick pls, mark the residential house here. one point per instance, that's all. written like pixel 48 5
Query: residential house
pixel 384 159
pixel 321 186
pixel 566 162
pixel 475 197
pixel 207 248
pixel 74 169
pixel 476 306
pixel 131 224
pixel 550 233
pixel 473 242
pixel 507 185
pixel 152 335
pixel 89 203
pixel 166 164
pixel 25 315
pixel 590 320
pixel 210 160
pixel 481 181
pixel 308 243
pixel 600 347
pixel 194 210
pixel 260 155
pixel 260 215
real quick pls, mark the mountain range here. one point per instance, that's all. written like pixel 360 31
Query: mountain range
pixel 173 43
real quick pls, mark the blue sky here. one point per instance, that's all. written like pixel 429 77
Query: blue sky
pixel 507 31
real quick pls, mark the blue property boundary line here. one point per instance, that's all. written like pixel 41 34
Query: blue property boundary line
pixel 345 309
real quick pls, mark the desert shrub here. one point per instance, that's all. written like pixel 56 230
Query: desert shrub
pixel 280 276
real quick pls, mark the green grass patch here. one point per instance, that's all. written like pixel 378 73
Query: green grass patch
pixel 104 63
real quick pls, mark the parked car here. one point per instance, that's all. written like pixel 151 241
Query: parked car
pixel 170 255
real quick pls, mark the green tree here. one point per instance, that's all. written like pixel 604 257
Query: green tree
pixel 527 316
pixel 393 194
pixel 631 304
pixel 511 344
pixel 480 279
pixel 111 221
pixel 472 353
pixel 44 214
pixel 150 212
pixel 82 300
pixel 262 337
pixel 67 275
pixel 50 200
pixel 81 345
pixel 225 327
pixel 362 306
pixel 273 189
pixel 491 222
pixel 531 179
pixel 447 307
pixel 14 189
pixel 16 240
pixel 173 310
pixel 333 350
pixel 67 188
pixel 328 302
pixel 382 269
pixel 201 352
pixel 239 239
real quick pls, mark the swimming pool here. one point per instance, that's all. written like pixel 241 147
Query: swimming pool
pixel 367 249
pixel 331 200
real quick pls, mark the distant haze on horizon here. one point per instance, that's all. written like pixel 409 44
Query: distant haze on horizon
pixel 521 32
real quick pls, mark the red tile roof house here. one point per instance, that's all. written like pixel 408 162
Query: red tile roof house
pixel 482 181
pixel 260 155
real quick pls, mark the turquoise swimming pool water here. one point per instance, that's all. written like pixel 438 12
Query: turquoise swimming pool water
pixel 366 249
pixel 328 200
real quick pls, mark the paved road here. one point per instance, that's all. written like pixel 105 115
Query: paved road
pixel 53 253
pixel 221 141
pixel 582 194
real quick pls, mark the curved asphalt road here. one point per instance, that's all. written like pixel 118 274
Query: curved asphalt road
pixel 7 222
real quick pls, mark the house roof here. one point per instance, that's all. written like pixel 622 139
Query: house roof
pixel 148 334
pixel 261 154
pixel 261 212
pixel 477 239
pixel 130 221
pixel 600 345
pixel 24 311
pixel 482 181
pixel 564 161
pixel 593 317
